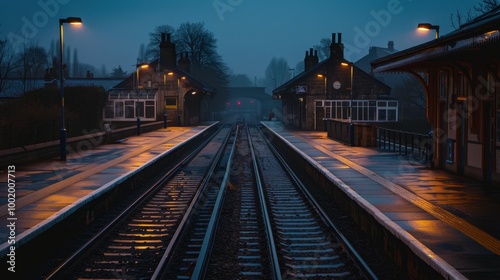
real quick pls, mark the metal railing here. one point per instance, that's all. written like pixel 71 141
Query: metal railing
pixel 416 145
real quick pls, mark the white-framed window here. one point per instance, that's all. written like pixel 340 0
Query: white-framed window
pixel 362 110
pixel 123 105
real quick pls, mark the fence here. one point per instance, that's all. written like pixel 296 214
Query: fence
pixel 416 145
pixel 21 133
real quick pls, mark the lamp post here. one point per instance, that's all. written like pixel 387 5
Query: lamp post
pixel 165 101
pixel 137 68
pixel 324 103
pixel 179 99
pixel 62 139
pixel 428 26
pixel 351 126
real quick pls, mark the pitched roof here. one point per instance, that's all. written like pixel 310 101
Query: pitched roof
pixel 374 53
pixel 128 82
pixel 479 32
pixel 287 86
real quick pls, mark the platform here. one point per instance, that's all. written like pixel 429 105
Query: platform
pixel 451 220
pixel 46 190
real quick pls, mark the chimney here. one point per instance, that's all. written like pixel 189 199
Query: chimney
pixel 168 56
pixel 184 62
pixel 337 48
pixel 390 45
pixel 310 60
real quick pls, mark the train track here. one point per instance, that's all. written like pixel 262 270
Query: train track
pixel 277 230
pixel 233 211
pixel 133 244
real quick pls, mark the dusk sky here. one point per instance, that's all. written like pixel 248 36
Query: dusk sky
pixel 249 33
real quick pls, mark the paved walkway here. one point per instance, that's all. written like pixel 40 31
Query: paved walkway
pixel 452 219
pixel 45 189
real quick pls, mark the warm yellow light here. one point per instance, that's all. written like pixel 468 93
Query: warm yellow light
pixel 320 76
pixel 170 73
pixel 424 26
pixel 427 26
pixel 193 93
pixel 344 64
pixel 75 23
pixel 144 66
pixel 183 78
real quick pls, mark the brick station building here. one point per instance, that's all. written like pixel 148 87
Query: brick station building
pixel 460 74
pixel 164 89
pixel 328 93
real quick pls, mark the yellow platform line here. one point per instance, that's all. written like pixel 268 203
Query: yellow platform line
pixel 486 240
pixel 37 195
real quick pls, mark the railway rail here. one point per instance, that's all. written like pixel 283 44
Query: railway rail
pixel 180 228
pixel 133 243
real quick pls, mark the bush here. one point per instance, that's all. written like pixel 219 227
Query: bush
pixel 36 116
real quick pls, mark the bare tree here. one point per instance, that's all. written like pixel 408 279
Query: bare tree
pixel 7 65
pixel 459 18
pixel 277 73
pixel 104 71
pixel 201 46
pixel 486 6
pixel 76 65
pixel 141 57
pixel 323 48
pixel 153 48
pixel 240 80
pixel 32 63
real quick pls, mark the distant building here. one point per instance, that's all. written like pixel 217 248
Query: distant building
pixel 459 73
pixel 405 88
pixel 323 92
pixel 161 90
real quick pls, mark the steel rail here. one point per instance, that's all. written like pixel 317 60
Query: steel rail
pixel 274 261
pixel 206 247
pixel 352 252
pixel 94 241
pixel 174 243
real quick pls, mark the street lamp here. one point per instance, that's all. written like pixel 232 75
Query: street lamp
pixel 137 68
pixel 428 26
pixel 324 104
pixel 351 127
pixel 179 99
pixel 74 21
pixel 165 97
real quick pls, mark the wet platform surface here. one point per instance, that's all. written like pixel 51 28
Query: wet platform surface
pixel 48 188
pixel 451 219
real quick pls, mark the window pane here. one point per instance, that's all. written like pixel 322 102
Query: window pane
pixel 140 109
pixel 391 115
pixel 109 111
pixel 119 109
pixel 150 111
pixel 382 115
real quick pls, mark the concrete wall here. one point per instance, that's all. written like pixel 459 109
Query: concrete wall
pixel 364 135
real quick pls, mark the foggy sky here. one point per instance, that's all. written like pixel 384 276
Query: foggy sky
pixel 249 33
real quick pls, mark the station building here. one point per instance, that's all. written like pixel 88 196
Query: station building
pixel 163 90
pixel 460 74
pixel 334 91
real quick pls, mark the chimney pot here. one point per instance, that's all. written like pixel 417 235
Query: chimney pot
pixel 390 45
pixel 340 38
pixel 333 38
